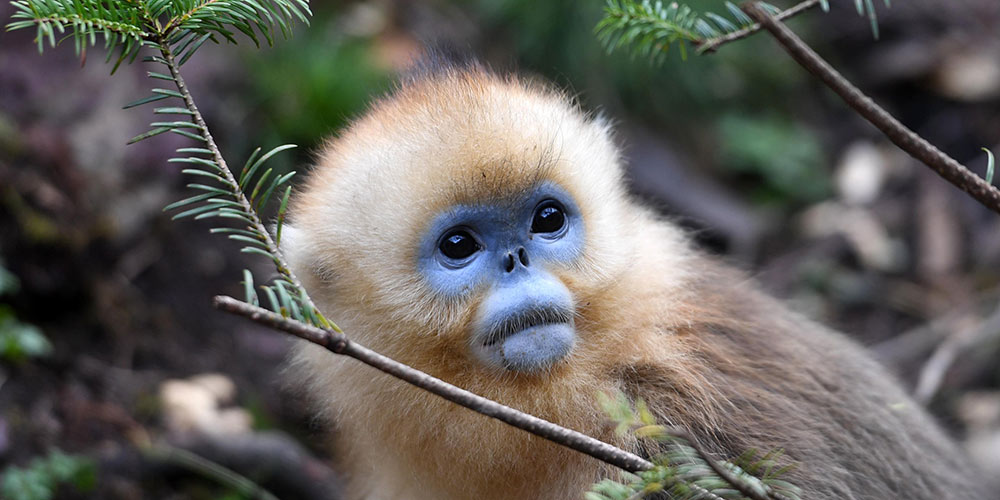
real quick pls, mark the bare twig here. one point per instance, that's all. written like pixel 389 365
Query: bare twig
pixel 712 44
pixel 340 344
pixel 906 139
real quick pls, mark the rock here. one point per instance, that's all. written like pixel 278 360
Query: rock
pixel 861 173
pixel 868 236
pixel 195 405
pixel 219 385
pixel 970 76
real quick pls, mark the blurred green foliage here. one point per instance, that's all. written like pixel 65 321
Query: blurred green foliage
pixel 310 85
pixel 557 39
pixel 8 282
pixel 18 341
pixel 785 156
pixel 41 479
pixel 37 227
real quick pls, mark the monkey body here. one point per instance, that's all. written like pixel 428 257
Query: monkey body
pixel 477 228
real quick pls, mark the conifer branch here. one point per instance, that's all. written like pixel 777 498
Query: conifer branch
pixel 652 27
pixel 261 232
pixel 713 44
pixel 907 140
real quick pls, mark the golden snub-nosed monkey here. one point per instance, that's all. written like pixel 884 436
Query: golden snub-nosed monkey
pixel 477 227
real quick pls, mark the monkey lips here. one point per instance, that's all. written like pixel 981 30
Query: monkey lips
pixel 530 341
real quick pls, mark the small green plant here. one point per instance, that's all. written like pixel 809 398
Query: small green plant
pixel 43 477
pixel 652 28
pixel 682 471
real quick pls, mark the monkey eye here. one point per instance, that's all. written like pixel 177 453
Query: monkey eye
pixel 458 244
pixel 549 217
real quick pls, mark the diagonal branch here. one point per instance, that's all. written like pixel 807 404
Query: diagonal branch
pixel 907 140
pixel 338 343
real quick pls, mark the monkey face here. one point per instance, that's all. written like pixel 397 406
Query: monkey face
pixel 464 225
pixel 502 251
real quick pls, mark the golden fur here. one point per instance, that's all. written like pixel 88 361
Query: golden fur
pixel 653 317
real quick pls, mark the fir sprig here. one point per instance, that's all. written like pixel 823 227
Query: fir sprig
pixel 129 25
pixel 175 30
pixel 651 28
pixel 120 27
pixel 682 471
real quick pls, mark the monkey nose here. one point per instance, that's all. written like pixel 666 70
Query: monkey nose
pixel 513 258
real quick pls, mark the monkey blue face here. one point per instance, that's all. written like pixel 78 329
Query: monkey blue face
pixel 503 250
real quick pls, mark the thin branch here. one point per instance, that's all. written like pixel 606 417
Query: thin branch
pixel 340 344
pixel 231 181
pixel 906 139
pixel 712 44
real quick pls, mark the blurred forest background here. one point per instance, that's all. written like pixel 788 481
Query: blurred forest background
pixel 108 340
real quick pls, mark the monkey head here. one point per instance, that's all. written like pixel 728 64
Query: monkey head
pixel 470 212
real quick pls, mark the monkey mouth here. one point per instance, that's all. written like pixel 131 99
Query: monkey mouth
pixel 525 320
